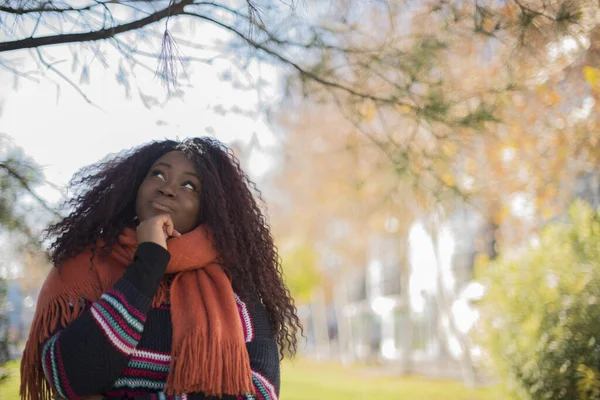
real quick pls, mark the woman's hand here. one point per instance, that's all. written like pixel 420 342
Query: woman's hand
pixel 157 229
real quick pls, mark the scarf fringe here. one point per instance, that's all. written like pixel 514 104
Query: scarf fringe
pixel 58 313
pixel 162 295
pixel 226 363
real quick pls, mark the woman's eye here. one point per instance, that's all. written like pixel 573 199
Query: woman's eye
pixel 158 174
pixel 189 185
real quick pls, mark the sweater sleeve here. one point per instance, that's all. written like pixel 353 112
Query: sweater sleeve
pixel 86 357
pixel 262 349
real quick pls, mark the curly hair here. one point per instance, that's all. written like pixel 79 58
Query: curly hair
pixel 103 204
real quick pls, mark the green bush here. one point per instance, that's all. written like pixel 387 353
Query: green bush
pixel 541 313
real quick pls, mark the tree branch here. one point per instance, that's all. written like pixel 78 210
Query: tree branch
pixel 178 9
pixel 526 9
pixel 50 9
pixel 297 67
pixel 175 9
pixel 24 11
pixel 284 42
pixel 23 182
pixel 17 72
pixel 66 79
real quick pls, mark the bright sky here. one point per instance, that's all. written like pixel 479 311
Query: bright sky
pixel 62 132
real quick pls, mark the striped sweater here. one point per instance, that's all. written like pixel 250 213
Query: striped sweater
pixel 120 345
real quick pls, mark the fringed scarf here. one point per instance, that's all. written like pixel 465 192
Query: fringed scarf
pixel 208 353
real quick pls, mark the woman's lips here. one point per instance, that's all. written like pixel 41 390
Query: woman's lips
pixel 161 207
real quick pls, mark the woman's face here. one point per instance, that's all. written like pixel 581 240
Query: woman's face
pixel 172 186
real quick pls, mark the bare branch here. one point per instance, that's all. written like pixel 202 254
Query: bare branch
pixel 66 79
pixel 311 45
pixel 133 50
pixel 529 10
pixel 36 42
pixel 37 24
pixel 302 71
pixel 18 73
pixel 44 9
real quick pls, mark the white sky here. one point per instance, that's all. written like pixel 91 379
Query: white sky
pixel 63 133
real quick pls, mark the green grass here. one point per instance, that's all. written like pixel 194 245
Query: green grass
pixel 307 380
pixel 9 389
pixel 304 379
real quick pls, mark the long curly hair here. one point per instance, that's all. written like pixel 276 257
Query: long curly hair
pixel 102 204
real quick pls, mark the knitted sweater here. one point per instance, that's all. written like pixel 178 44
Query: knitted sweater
pixel 120 345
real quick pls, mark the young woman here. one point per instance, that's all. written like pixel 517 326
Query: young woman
pixel 166 284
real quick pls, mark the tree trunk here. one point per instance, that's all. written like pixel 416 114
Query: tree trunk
pixel 4 322
pixel 344 328
pixel 407 324
pixel 444 303
pixel 488 239
pixel 319 320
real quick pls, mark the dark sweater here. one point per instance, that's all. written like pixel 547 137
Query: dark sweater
pixel 120 346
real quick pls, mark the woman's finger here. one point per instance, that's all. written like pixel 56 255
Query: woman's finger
pixel 170 227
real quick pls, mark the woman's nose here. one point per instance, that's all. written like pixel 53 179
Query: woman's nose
pixel 167 190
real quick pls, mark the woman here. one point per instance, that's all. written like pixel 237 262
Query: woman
pixel 167 284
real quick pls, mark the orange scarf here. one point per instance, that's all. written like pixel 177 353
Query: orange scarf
pixel 208 353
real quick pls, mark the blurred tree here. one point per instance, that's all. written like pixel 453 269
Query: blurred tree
pixel 19 175
pixel 335 191
pixel 484 102
pixel 328 47
pixel 300 268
